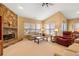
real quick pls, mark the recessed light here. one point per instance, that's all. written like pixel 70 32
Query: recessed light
pixel 20 7
pixel 77 12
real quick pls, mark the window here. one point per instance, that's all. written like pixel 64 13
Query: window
pixel 64 27
pixel 50 29
pixel 26 28
pixel 37 27
pixel 76 27
pixel 31 28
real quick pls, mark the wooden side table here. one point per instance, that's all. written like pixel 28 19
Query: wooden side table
pixel 45 38
pixel 52 38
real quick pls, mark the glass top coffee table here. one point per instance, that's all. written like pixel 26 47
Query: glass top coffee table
pixel 37 39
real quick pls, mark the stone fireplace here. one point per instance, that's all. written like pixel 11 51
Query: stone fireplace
pixel 9 34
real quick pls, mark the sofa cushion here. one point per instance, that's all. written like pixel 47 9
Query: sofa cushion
pixel 74 47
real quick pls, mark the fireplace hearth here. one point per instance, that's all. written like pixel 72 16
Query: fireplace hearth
pixel 8 36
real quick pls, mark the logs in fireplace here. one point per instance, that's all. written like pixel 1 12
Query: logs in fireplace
pixel 9 36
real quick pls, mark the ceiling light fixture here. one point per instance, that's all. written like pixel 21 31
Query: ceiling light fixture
pixel 20 7
pixel 77 12
pixel 47 4
pixel 44 4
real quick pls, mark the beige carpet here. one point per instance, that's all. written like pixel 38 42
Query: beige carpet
pixel 29 48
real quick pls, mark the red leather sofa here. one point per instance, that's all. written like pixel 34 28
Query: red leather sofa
pixel 66 40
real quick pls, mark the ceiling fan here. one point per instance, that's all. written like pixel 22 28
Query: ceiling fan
pixel 47 4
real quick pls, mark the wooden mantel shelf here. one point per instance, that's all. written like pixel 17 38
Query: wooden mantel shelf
pixel 9 27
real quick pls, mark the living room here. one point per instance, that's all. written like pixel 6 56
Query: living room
pixel 50 29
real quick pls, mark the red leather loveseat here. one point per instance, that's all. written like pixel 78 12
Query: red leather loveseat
pixel 66 40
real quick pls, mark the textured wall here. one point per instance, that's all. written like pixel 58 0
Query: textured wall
pixel 20 27
pixel 71 23
pixel 58 18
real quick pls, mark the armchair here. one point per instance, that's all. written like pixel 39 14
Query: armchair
pixel 66 40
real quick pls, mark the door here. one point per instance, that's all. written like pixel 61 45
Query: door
pixel 1 44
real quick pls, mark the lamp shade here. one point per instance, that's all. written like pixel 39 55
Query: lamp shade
pixel 78 30
pixel 56 30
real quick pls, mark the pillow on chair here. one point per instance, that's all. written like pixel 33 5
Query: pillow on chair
pixel 74 47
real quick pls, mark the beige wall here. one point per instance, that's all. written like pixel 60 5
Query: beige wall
pixel 30 20
pixel 58 18
pixel 20 27
pixel 21 21
pixel 71 23
pixel 33 21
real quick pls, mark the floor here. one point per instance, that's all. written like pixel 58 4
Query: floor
pixel 30 48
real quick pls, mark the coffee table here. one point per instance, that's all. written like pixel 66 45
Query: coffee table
pixel 38 38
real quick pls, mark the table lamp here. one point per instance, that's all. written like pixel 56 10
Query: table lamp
pixel 56 30
pixel 77 30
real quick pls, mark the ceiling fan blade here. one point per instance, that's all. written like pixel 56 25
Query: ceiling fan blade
pixel 50 4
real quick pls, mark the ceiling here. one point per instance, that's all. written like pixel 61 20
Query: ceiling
pixel 36 11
